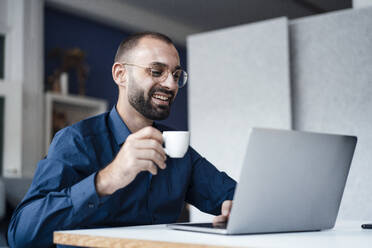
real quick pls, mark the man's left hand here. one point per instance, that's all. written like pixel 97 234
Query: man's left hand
pixel 225 212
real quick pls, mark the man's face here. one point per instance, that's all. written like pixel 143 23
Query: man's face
pixel 150 98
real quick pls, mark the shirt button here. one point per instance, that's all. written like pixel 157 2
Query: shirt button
pixel 90 205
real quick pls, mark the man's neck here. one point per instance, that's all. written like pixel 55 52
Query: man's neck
pixel 134 120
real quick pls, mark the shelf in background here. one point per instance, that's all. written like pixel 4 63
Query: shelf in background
pixel 64 110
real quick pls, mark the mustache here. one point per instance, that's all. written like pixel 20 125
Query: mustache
pixel 162 90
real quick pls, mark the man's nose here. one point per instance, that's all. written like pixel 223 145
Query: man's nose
pixel 170 82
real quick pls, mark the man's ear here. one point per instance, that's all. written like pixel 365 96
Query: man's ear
pixel 119 74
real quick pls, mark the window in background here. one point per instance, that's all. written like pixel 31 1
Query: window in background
pixel 2 55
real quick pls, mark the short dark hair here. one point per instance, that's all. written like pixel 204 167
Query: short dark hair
pixel 130 42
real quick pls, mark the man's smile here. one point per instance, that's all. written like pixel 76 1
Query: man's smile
pixel 162 98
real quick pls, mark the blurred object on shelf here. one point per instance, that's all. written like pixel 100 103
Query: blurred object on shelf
pixel 70 59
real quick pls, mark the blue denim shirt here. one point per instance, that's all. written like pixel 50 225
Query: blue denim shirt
pixel 63 195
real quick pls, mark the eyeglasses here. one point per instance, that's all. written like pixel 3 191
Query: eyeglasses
pixel 159 73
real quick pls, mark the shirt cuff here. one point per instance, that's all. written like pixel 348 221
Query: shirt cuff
pixel 84 197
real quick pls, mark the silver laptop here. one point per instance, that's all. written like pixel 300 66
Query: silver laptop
pixel 290 181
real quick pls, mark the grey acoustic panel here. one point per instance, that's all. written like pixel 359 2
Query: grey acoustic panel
pixel 2 56
pixel 361 3
pixel 2 122
pixel 239 78
pixel 331 58
pixel 3 13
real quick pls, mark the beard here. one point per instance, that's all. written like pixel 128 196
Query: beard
pixel 143 104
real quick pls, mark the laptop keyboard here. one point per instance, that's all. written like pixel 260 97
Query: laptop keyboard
pixel 221 225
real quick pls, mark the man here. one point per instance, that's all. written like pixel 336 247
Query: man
pixel 111 170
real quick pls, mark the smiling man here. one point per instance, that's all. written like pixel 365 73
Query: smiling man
pixel 111 169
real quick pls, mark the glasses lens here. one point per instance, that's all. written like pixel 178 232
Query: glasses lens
pixel 182 79
pixel 179 77
pixel 158 73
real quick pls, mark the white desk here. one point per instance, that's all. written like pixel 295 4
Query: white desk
pixel 345 234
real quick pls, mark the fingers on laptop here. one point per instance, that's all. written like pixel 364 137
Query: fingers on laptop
pixel 226 208
pixel 225 212
pixel 219 219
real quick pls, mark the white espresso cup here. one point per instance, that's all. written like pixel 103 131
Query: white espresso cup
pixel 176 143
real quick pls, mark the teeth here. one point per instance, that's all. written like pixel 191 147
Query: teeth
pixel 164 98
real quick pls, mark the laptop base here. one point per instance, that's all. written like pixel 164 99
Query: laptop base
pixel 220 228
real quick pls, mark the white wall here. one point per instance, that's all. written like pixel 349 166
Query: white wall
pixel 33 84
pixel 24 67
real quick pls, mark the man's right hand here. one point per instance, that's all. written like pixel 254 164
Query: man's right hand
pixel 142 151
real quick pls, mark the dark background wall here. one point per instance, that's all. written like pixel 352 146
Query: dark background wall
pixel 99 42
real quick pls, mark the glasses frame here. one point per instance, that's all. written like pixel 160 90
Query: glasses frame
pixel 180 83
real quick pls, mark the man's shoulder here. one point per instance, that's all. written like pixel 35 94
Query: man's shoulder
pixel 92 126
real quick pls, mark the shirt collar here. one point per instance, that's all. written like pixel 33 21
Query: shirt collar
pixel 118 127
